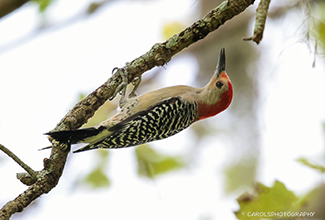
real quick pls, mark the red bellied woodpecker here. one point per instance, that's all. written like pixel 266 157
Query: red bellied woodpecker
pixel 156 115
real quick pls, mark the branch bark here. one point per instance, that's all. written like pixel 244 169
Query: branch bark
pixel 261 14
pixel 158 55
pixel 8 6
pixel 31 173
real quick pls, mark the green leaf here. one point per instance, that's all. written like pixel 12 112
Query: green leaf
pixel 43 4
pixel 172 28
pixel 94 6
pixel 267 202
pixel 317 29
pixel 304 161
pixel 97 179
pixel 313 202
pixel 151 163
pixel 241 174
pixel 320 25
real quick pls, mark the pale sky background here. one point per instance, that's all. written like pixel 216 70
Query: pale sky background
pixel 41 79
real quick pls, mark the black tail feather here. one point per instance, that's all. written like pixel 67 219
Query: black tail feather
pixel 73 136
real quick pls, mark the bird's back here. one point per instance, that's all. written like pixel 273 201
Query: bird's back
pixel 163 120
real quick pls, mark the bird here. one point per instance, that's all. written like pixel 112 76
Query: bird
pixel 155 115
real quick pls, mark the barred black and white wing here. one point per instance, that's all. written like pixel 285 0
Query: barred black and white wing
pixel 160 121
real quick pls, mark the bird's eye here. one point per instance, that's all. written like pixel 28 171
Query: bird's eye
pixel 219 84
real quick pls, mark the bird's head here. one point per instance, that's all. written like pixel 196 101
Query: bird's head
pixel 216 96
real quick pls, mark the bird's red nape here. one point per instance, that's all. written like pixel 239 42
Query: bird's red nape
pixel 206 110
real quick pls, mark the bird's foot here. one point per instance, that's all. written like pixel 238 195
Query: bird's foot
pixel 136 82
pixel 122 87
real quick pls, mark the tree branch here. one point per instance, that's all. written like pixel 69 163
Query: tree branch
pixel 31 173
pixel 261 14
pixel 8 6
pixel 158 55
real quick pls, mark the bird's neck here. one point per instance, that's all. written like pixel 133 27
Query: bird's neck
pixel 208 110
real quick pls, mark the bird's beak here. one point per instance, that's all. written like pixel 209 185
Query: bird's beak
pixel 221 63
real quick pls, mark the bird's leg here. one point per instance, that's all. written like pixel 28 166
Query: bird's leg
pixel 122 87
pixel 136 82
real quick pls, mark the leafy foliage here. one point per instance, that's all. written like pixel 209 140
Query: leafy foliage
pixel 241 174
pixel 152 164
pixel 97 177
pixel 314 201
pixel 172 28
pixel 320 25
pixel 267 200
pixel 43 4
pixel 311 165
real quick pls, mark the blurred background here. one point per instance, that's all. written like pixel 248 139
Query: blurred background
pixel 53 53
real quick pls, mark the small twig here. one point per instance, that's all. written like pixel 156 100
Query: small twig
pixel 29 170
pixel 261 14
pixel 315 54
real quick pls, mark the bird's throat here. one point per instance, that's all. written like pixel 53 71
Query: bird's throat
pixel 208 110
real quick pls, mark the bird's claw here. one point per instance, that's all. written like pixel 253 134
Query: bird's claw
pixel 122 87
pixel 136 82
